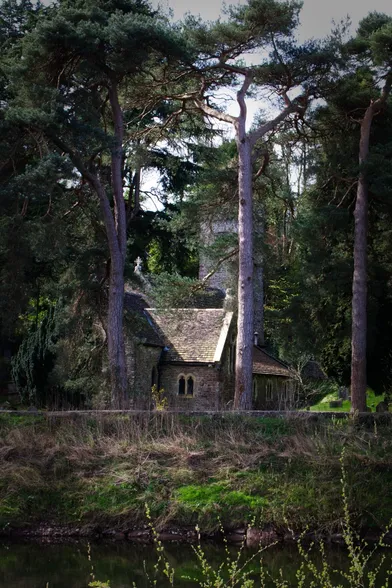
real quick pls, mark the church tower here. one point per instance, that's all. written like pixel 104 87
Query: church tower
pixel 218 238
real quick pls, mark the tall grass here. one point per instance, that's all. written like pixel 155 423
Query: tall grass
pixel 100 471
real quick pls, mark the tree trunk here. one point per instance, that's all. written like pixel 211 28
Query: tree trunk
pixel 359 300
pixel 244 351
pixel 258 278
pixel 116 346
pixel 115 222
pixel 115 335
pixel 258 302
pixel 245 144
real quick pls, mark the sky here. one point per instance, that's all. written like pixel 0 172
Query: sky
pixel 316 15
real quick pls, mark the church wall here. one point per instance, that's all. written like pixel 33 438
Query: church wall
pixel 273 392
pixel 140 366
pixel 227 373
pixel 130 352
pixel 207 387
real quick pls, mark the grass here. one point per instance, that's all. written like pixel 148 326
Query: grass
pixel 323 405
pixel 102 471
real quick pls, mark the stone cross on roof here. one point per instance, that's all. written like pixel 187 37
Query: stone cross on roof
pixel 138 265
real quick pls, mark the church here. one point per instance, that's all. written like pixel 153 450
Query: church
pixel 190 352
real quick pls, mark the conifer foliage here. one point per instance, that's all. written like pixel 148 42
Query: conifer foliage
pixel 77 64
pixel 93 92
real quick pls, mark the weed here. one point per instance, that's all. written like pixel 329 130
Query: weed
pixel 158 397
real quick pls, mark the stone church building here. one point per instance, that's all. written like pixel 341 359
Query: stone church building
pixel 190 353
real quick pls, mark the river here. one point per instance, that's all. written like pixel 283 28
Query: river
pixel 74 565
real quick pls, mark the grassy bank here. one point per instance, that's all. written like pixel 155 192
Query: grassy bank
pixel 102 471
pixel 372 400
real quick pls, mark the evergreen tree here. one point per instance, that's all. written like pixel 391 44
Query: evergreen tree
pixel 79 86
pixel 259 25
pixel 374 43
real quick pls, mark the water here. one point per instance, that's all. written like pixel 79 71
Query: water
pixel 74 565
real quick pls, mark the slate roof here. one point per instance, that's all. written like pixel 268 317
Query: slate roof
pixel 192 334
pixel 139 321
pixel 265 364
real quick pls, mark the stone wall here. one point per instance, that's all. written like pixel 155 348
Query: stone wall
pixel 130 350
pixel 147 359
pixel 207 387
pixel 227 375
pixel 141 359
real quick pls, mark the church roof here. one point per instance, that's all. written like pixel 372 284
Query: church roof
pixel 139 320
pixel 192 335
pixel 265 364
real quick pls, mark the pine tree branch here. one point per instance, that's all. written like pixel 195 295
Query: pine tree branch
pixel 242 93
pixel 209 111
pixel 254 136
pixel 217 266
pixel 95 183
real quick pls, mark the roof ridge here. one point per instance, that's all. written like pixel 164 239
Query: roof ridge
pixel 223 335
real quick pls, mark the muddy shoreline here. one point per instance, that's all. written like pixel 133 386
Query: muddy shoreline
pixel 250 536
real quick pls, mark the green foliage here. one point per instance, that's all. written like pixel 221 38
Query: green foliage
pixel 34 362
pixel 158 397
pixel 308 295
pixel 217 496
pixel 56 66
pixel 372 400
pixel 173 290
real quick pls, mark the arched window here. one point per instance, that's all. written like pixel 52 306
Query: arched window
pixel 189 386
pixel 153 377
pixel 181 386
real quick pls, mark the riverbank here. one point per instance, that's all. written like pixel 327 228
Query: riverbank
pixel 86 475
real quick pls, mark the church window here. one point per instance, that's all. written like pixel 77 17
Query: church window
pixel 153 377
pixel 189 386
pixel 186 385
pixel 181 386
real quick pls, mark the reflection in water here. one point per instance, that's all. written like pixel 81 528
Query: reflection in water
pixel 74 565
